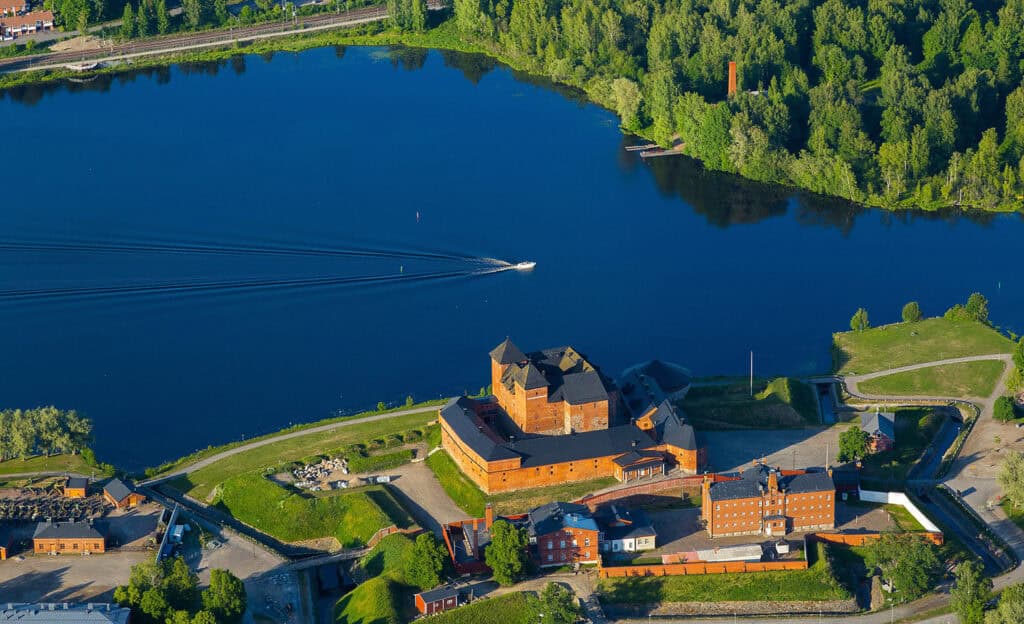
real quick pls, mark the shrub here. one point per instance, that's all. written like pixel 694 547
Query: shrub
pixel 860 321
pixel 1003 410
pixel 911 312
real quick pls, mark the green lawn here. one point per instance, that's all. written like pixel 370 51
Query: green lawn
pixel 903 344
pixel 915 429
pixel 780 402
pixel 375 463
pixel 351 517
pixel 818 582
pixel 517 608
pixel 201 483
pixel 965 380
pixel 213 450
pixel 472 500
pixel 377 601
pixel 54 463
pixel 1014 513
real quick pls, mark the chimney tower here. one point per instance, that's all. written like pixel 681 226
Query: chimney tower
pixel 488 516
pixel 732 78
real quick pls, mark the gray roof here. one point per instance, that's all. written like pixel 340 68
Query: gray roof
pixel 439 593
pixel 879 422
pixel 77 482
pixel 564 371
pixel 460 416
pixel 754 481
pixel 552 517
pixel 507 353
pixel 64 613
pixel 620 523
pixel 545 450
pixel 635 457
pixel 672 428
pixel 649 384
pixel 66 530
pixel 117 489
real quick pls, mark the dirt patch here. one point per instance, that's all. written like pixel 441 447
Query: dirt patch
pixel 326 544
pixel 78 44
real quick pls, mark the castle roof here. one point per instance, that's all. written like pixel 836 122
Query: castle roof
pixel 461 417
pixel 507 353
pixel 553 517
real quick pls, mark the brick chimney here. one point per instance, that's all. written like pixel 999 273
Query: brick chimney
pixel 488 516
pixel 773 481
pixel 732 78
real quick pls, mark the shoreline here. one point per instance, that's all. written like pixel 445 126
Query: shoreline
pixel 440 37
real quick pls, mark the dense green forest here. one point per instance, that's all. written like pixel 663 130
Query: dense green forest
pixel 43 430
pixel 894 103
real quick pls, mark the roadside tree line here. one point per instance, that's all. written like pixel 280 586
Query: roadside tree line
pixel 42 431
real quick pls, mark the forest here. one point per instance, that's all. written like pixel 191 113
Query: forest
pixel 891 103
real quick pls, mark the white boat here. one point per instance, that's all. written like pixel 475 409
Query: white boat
pixel 524 266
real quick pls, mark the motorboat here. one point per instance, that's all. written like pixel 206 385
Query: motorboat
pixel 524 266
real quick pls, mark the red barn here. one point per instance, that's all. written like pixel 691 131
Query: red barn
pixel 441 599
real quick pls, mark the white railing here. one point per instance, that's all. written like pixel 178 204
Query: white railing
pixel 901 499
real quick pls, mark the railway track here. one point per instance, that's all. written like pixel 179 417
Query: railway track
pixel 163 45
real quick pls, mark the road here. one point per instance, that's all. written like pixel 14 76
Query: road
pixel 194 41
pixel 278 438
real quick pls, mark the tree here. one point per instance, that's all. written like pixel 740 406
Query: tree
pixel 163 19
pixel 506 555
pixel 977 307
pixel 193 13
pixel 1003 410
pixel 860 321
pixel 1011 478
pixel 1010 609
pixel 971 592
pixel 144 18
pixel 225 597
pixel 205 617
pixel 908 561
pixel 558 605
pixel 83 22
pixel 381 406
pixel 627 98
pixel 911 312
pixel 1018 354
pixel 128 21
pixel 220 12
pixel 853 444
pixel 418 15
pixel 426 562
pixel 408 401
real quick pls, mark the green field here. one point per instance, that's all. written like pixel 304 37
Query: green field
pixel 350 517
pixel 818 582
pixel 375 463
pixel 915 429
pixel 780 402
pixel 377 601
pixel 517 608
pixel 213 450
pixel 472 500
pixel 903 344
pixel 964 380
pixel 201 483
pixel 1016 514
pixel 54 463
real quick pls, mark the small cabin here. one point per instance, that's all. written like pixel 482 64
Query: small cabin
pixel 76 487
pixel 121 495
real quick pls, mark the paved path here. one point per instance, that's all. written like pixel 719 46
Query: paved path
pixel 348 422
pixel 421 493
pixel 1006 357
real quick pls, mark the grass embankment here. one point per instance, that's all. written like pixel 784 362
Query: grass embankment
pixel 818 582
pixel 53 463
pixel 904 344
pixel 915 429
pixel 517 608
pixel 350 517
pixel 963 380
pixel 1016 514
pixel 213 450
pixel 780 402
pixel 200 483
pixel 358 463
pixel 472 500
pixel 386 597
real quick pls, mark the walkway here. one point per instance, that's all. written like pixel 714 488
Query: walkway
pixel 278 438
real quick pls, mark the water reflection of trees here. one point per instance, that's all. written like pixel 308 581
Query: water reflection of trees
pixel 726 200
pixel 409 59
pixel 473 66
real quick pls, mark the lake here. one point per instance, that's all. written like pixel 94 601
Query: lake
pixel 193 254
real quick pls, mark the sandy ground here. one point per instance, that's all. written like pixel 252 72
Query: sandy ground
pixel 78 44
pixel 71 578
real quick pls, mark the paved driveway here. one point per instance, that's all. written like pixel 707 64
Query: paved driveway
pixel 732 451
pixel 421 493
pixel 66 578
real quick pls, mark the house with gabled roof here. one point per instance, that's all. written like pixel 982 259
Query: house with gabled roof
pixel 563 534
pixel 121 495
pixel 881 430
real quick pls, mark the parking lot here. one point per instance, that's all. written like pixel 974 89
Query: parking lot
pixel 71 578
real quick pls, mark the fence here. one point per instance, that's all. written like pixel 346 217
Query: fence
pixel 682 569
pixel 901 499
pixel 641 490
pixel 858 539
pixel 390 530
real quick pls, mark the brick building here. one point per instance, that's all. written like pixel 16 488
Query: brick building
pixel 69 537
pixel 552 420
pixel 554 391
pixel 563 533
pixel 12 26
pixel 768 501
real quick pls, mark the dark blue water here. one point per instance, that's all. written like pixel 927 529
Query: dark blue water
pixel 313 151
